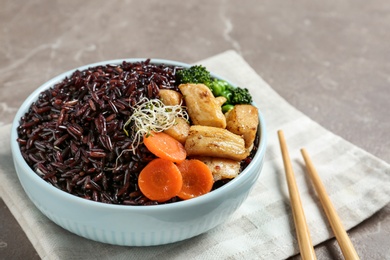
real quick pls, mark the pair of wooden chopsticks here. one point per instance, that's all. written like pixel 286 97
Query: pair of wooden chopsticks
pixel 303 234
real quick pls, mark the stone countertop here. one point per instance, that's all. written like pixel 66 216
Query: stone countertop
pixel 329 59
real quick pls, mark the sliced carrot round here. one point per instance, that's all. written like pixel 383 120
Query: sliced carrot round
pixel 165 146
pixel 197 179
pixel 160 180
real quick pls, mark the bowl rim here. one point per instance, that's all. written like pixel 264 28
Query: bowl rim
pixel 18 158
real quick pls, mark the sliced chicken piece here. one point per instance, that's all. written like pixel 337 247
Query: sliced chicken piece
pixel 243 120
pixel 170 97
pixel 215 142
pixel 202 106
pixel 221 168
pixel 179 130
pixel 220 100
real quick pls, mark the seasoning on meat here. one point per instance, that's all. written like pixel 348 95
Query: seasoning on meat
pixel 221 168
pixel 215 142
pixel 243 120
pixel 202 106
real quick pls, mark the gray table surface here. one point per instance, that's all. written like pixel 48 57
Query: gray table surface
pixel 330 59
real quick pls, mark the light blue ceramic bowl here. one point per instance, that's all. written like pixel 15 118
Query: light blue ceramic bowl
pixel 134 225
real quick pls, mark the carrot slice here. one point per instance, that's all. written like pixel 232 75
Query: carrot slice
pixel 160 180
pixel 197 179
pixel 164 146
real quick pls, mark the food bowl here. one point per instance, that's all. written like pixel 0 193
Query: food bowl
pixel 134 225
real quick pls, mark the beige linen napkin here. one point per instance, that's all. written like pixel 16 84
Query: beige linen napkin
pixel 262 228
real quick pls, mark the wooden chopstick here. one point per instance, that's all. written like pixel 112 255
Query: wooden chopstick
pixel 341 235
pixel 302 231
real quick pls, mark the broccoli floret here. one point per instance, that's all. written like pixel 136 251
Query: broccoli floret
pixel 195 74
pixel 241 96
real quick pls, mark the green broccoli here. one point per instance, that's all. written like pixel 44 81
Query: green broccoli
pixel 233 95
pixel 241 96
pixel 195 74
pixel 199 74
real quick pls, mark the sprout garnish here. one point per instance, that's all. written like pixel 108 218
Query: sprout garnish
pixel 151 115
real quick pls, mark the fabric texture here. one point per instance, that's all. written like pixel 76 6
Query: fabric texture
pixel 262 228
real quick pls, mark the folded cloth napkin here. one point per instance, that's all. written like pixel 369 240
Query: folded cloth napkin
pixel 262 228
